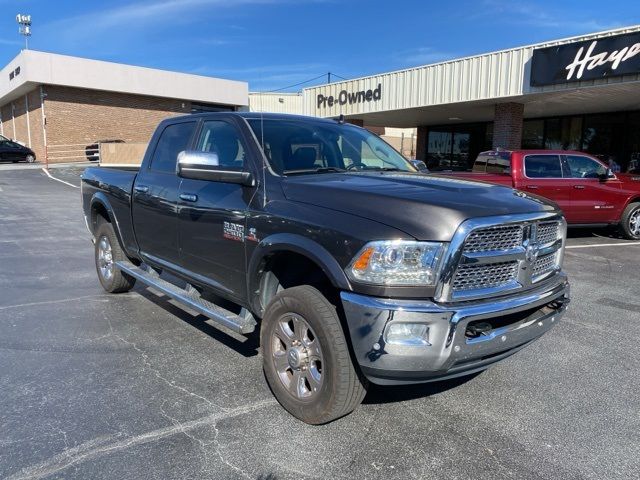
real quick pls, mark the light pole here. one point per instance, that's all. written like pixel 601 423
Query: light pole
pixel 24 22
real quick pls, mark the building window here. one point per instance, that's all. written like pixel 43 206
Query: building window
pixel 533 134
pixel 455 147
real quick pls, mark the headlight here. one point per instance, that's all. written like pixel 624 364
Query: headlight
pixel 397 262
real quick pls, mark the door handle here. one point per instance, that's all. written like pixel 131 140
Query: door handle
pixel 188 197
pixel 579 187
pixel 532 187
pixel 141 188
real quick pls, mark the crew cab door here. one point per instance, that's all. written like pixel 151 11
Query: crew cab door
pixel 593 199
pixel 543 176
pixel 155 196
pixel 212 214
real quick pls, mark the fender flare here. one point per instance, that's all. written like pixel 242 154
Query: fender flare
pixel 99 198
pixel 301 245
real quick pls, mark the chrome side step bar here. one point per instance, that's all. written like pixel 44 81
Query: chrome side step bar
pixel 243 323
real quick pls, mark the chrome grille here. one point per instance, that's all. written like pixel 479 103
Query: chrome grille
pixel 548 232
pixel 471 277
pixel 545 264
pixel 496 258
pixel 503 237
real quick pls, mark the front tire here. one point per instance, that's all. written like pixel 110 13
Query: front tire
pixel 306 358
pixel 107 253
pixel 30 159
pixel 630 221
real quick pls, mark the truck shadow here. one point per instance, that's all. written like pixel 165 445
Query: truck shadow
pixel 246 346
pixel 603 232
pixel 379 394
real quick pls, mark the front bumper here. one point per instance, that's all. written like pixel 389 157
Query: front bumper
pixel 516 321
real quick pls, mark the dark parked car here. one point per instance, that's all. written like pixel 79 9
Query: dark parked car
pixel 14 152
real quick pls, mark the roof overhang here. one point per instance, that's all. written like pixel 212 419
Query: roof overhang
pixel 32 68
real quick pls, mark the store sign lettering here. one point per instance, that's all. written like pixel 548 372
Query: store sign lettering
pixel 591 60
pixel 345 97
pixel 588 60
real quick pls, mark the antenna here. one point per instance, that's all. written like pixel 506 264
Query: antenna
pixel 24 22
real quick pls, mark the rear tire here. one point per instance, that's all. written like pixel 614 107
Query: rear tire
pixel 630 221
pixel 107 253
pixel 306 357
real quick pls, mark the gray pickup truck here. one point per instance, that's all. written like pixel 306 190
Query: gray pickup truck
pixel 355 266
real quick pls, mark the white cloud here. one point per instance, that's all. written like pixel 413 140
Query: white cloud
pixel 423 56
pixel 535 15
pixel 270 77
pixel 5 41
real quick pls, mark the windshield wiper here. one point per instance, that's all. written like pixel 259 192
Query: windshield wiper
pixel 314 170
pixel 382 169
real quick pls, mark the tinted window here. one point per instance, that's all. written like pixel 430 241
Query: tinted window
pixel 223 139
pixel 173 140
pixel 584 167
pixel 543 166
pixel 306 146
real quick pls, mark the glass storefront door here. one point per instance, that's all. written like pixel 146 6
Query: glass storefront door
pixel 455 147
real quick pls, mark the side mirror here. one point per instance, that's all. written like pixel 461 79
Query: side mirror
pixel 206 166
pixel 420 165
pixel 603 176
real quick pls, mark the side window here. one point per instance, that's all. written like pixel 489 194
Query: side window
pixel 223 139
pixel 543 166
pixel 584 167
pixel 173 140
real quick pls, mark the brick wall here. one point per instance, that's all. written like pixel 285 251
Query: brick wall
pixel 507 126
pixel 15 113
pixel 80 117
pixel 7 124
pixel 35 121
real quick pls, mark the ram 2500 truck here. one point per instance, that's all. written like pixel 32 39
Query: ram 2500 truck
pixel 356 267
pixel 586 190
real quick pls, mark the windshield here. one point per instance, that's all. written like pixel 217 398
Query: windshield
pixel 314 147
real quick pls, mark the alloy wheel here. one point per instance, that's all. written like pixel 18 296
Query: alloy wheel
pixel 634 222
pixel 297 357
pixel 105 258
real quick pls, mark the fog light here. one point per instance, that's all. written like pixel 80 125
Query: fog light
pixel 412 334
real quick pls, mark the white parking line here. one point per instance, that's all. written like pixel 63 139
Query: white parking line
pixel 604 245
pixel 58 180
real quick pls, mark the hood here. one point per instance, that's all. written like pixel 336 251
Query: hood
pixel 427 207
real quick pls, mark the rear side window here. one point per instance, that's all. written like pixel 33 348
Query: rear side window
pixel 173 140
pixel 543 166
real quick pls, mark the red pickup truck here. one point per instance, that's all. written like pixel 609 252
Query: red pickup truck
pixel 586 190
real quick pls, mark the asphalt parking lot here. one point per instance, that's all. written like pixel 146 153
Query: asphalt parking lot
pixel 131 386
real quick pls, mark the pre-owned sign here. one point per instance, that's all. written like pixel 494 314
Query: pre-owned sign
pixel 588 60
pixel 345 97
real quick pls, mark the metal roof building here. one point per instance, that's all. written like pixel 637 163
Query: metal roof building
pixel 552 95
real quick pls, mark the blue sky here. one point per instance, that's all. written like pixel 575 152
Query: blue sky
pixel 276 43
